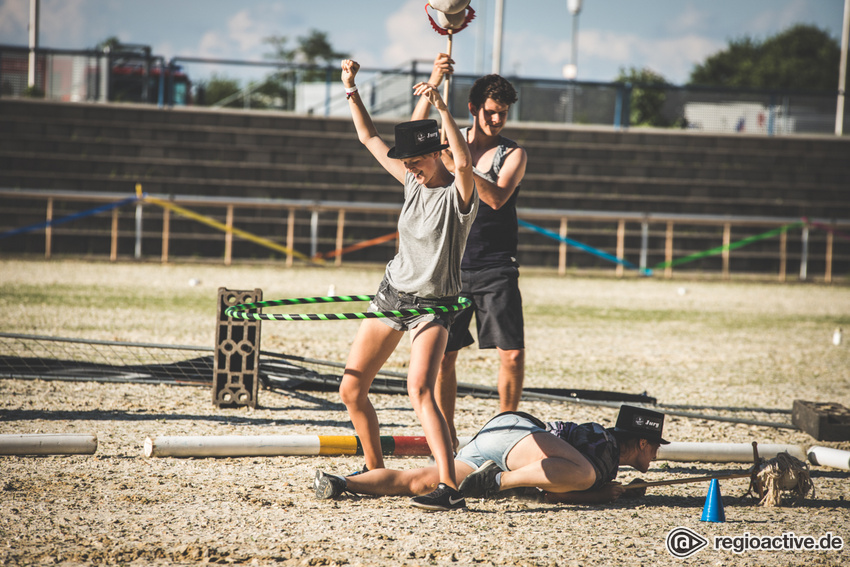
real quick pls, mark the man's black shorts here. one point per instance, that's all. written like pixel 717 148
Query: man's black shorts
pixel 497 305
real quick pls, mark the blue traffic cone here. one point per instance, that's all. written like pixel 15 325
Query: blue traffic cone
pixel 713 509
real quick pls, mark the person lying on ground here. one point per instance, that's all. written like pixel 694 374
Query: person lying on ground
pixel 569 462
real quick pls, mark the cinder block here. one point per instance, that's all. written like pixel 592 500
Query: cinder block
pixel 825 421
pixel 237 352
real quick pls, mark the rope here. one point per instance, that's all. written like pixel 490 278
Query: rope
pixel 782 473
pixel 68 218
pixel 581 246
pixel 731 246
pixel 359 246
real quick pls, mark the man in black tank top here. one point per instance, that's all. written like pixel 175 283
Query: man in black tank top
pixel 490 272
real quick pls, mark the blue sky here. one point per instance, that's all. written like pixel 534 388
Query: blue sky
pixel 668 36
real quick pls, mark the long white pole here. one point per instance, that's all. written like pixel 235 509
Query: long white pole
pixel 842 70
pixel 691 452
pixel 829 457
pixel 47 444
pixel 277 445
pixel 498 27
pixel 232 446
pixel 33 41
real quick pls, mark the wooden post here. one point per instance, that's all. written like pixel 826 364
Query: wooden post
pixel 290 237
pixel 827 277
pixel 166 233
pixel 340 227
pixel 562 249
pixel 727 238
pixel 48 232
pixel 668 251
pixel 113 245
pixel 783 254
pixel 228 237
pixel 621 245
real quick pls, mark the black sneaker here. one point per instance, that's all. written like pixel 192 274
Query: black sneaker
pixel 443 498
pixel 328 485
pixel 361 471
pixel 481 483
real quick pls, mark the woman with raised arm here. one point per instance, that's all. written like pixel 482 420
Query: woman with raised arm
pixel 435 219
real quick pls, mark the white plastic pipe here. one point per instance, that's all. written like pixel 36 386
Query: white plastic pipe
pixel 232 446
pixel 271 445
pixel 47 444
pixel 723 452
pixel 828 457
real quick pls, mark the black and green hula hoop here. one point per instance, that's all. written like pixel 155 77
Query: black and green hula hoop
pixel 249 311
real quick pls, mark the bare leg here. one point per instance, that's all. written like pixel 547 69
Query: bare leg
pixel 413 482
pixel 511 376
pixel 446 393
pixel 545 461
pixel 372 346
pixel 428 342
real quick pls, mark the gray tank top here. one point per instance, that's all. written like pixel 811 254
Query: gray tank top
pixel 432 238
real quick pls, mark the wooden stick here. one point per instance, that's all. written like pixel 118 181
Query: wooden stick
pixel 446 85
pixel 718 476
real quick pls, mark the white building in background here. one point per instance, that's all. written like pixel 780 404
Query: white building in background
pixel 743 117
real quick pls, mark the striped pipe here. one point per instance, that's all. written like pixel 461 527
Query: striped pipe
pixel 278 445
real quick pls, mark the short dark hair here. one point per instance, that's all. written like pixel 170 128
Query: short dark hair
pixel 625 440
pixel 492 86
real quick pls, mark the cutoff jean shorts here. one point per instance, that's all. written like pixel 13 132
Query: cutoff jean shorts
pixel 496 439
pixel 390 299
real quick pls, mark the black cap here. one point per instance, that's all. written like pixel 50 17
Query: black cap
pixel 641 422
pixel 416 138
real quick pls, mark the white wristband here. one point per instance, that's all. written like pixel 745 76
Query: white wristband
pixel 350 91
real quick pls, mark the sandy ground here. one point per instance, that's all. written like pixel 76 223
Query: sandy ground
pixel 688 342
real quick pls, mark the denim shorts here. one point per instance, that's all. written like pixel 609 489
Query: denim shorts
pixel 390 299
pixel 496 439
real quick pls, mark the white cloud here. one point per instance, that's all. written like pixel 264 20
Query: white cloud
pixel 66 22
pixel 212 45
pixel 247 32
pixel 675 57
pixel 672 57
pixel 773 21
pixel 690 18
pixel 14 17
pixel 410 36
pixel 61 23
pixel 241 38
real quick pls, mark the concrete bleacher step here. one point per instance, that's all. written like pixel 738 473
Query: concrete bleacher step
pixel 271 154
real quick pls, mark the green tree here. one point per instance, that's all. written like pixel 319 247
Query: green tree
pixel 648 95
pixel 277 89
pixel 313 49
pixel 218 88
pixel 112 42
pixel 801 57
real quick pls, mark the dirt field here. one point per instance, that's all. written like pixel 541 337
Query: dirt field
pixel 685 342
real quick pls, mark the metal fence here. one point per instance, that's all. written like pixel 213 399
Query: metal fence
pixel 191 228
pixel 139 76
